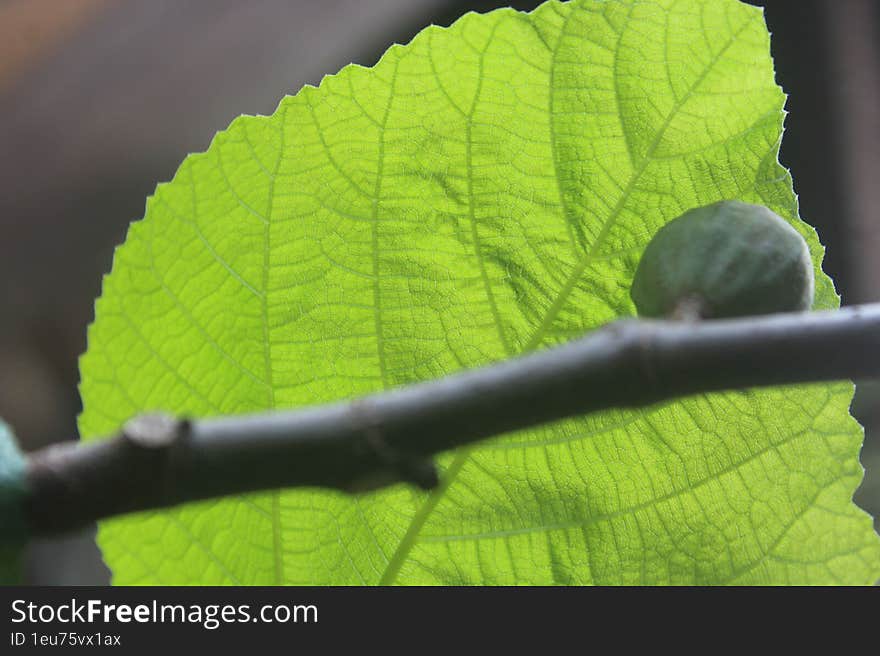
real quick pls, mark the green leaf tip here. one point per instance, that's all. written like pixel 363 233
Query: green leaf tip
pixel 483 191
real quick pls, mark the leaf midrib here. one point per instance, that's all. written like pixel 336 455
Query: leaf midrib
pixel 277 541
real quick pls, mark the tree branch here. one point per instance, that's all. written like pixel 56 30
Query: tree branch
pixel 158 461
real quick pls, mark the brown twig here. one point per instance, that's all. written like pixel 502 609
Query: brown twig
pixel 158 461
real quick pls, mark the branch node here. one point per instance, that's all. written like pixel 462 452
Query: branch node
pixel 155 430
pixel 645 345
pixel 156 442
pixel 415 469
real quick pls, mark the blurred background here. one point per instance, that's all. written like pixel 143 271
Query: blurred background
pixel 102 99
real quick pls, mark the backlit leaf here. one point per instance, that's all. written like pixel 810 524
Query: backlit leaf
pixel 485 190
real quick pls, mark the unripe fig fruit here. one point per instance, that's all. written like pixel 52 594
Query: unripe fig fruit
pixel 728 259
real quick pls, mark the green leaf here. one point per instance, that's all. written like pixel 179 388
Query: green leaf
pixel 482 191
pixel 13 531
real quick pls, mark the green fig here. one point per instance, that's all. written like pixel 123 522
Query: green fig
pixel 728 259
